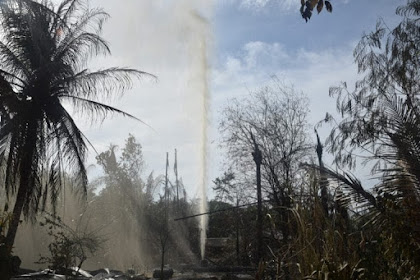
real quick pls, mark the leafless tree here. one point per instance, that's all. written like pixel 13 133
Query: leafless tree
pixel 276 116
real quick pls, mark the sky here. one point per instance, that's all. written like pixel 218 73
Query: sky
pixel 206 52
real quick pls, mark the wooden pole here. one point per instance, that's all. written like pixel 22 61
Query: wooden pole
pixel 257 156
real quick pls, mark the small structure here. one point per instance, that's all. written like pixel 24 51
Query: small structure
pixel 167 273
pixel 219 250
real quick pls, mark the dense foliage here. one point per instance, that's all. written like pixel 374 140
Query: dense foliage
pixel 68 248
pixel 351 232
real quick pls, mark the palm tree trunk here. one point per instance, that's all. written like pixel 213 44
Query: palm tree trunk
pixel 17 211
pixel 6 269
pixel 5 263
pixel 25 170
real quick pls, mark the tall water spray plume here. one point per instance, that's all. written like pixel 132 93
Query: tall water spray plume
pixel 202 68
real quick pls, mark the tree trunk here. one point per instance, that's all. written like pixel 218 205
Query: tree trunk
pixel 17 212
pixel 24 171
pixel 6 250
pixel 5 263
pixel 323 179
pixel 21 197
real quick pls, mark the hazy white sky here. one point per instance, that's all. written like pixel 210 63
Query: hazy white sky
pixel 229 47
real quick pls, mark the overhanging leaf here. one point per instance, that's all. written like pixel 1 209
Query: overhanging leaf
pixel 313 3
pixel 328 6
pixel 320 6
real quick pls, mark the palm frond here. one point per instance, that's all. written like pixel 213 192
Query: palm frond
pixel 351 184
pixel 12 63
pixel 94 108
pixel 101 83
pixel 90 19
pixel 76 50
pixel 67 9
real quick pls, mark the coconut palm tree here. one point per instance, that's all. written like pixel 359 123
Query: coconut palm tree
pixel 44 50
